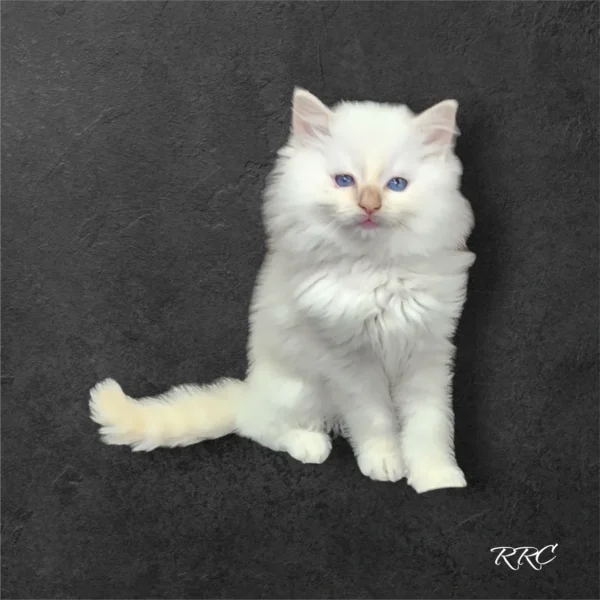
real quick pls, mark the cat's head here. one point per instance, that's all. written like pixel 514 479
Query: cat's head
pixel 365 177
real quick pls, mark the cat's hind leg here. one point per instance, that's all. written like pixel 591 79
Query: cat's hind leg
pixel 284 413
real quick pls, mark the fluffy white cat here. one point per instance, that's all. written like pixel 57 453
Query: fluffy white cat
pixel 355 305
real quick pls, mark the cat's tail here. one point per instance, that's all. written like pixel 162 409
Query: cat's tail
pixel 184 415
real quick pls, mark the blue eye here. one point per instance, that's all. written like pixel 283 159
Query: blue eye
pixel 344 180
pixel 397 184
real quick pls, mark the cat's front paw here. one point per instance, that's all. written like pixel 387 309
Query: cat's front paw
pixel 381 461
pixel 307 446
pixel 430 477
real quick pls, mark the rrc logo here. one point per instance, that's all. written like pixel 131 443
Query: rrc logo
pixel 515 557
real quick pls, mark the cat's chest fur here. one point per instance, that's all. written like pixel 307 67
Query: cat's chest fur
pixel 386 304
pixel 375 305
pixel 309 313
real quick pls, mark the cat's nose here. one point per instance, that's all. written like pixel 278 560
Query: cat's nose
pixel 368 210
pixel 370 200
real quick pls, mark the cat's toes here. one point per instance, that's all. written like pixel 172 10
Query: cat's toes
pixel 381 461
pixel 434 477
pixel 308 446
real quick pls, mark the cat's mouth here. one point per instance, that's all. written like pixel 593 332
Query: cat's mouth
pixel 368 223
pixel 363 222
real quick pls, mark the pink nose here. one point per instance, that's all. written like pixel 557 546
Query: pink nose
pixel 370 200
pixel 369 209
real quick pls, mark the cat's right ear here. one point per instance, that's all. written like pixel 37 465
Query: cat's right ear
pixel 310 117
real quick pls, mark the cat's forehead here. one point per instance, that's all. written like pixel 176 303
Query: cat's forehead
pixel 371 129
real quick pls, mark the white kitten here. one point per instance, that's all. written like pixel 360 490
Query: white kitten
pixel 355 305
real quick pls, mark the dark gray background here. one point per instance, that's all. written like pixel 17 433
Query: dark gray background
pixel 136 138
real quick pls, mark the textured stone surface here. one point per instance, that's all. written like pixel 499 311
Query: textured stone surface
pixel 136 138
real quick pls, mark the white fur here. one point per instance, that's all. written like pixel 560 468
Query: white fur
pixel 350 328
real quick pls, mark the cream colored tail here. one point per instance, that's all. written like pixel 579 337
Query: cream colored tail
pixel 184 415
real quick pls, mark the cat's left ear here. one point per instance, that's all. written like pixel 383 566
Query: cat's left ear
pixel 438 125
pixel 310 117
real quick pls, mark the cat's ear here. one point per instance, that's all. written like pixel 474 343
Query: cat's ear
pixel 310 117
pixel 438 126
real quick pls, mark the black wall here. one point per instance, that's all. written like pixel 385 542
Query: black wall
pixel 136 138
